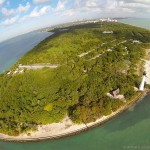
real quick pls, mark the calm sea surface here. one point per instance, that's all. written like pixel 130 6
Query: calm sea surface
pixel 144 23
pixel 11 50
pixel 128 131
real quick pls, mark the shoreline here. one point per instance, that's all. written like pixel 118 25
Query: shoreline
pixel 74 129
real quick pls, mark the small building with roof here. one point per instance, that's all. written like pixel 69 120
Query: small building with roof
pixel 115 94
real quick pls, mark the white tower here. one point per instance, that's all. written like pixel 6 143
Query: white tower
pixel 141 88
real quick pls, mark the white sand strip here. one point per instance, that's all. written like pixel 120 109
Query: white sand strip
pixel 147 69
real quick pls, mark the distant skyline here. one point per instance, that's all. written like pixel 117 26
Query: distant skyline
pixel 21 16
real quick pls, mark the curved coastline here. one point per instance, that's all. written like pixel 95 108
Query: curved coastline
pixel 81 128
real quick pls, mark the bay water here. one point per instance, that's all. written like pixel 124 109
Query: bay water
pixel 12 49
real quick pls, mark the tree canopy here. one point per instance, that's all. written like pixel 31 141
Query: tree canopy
pixel 78 87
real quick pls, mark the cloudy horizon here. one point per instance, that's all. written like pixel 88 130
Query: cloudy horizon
pixel 22 16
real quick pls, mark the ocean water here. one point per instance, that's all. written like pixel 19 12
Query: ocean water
pixel 128 131
pixel 11 50
pixel 144 23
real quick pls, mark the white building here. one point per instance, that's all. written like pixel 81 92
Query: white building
pixel 141 88
pixel 108 20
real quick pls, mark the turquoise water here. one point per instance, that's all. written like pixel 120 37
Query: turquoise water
pixel 11 50
pixel 130 130
pixel 144 23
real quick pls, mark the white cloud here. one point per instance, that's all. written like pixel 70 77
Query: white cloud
pixel 1 2
pixel 133 5
pixel 138 1
pixel 10 21
pixel 37 12
pixel 61 5
pixel 91 3
pixel 25 8
pixel 24 18
pixel 20 9
pixel 113 8
pixel 41 1
pixel 69 12
pixel 7 12
pixel 61 9
pixel 88 7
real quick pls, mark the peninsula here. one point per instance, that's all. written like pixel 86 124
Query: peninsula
pixel 80 76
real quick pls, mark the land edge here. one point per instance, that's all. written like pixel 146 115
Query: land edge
pixel 135 100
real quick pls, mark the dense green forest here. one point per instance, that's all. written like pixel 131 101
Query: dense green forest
pixel 77 87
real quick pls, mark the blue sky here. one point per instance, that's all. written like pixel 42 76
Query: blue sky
pixel 21 16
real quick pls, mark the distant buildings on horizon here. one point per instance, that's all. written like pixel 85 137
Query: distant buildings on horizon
pixel 97 20
pixel 80 22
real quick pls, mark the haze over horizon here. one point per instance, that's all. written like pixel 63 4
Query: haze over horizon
pixel 22 16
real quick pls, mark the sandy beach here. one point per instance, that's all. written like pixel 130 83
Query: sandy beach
pixel 66 127
pixel 147 69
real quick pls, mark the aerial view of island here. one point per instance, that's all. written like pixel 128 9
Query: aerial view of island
pixel 79 77
pixel 76 81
